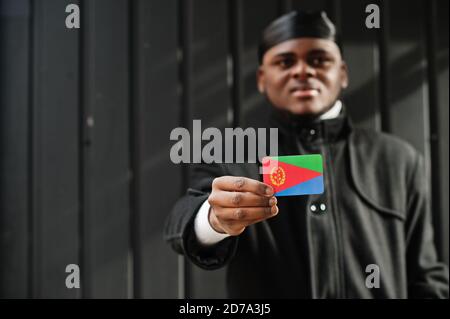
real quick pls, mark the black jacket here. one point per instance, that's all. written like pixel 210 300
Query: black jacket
pixel 376 212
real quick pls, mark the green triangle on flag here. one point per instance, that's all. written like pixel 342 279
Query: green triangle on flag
pixel 312 162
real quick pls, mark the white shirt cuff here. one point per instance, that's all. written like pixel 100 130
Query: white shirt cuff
pixel 206 235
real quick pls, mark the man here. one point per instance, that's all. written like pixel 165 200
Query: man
pixel 374 213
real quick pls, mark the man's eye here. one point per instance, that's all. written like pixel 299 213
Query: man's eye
pixel 285 63
pixel 319 61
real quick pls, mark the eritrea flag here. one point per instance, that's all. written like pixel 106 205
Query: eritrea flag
pixel 294 174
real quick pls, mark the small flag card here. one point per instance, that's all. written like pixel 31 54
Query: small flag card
pixel 294 174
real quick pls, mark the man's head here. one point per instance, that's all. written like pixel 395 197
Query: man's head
pixel 301 67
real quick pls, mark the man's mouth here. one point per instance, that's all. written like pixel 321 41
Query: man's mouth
pixel 304 91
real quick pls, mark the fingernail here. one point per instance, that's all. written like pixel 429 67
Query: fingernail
pixel 269 191
pixel 274 210
pixel 272 201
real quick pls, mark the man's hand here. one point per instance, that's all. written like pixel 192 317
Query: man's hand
pixel 237 202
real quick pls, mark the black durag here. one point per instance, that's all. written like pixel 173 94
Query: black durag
pixel 296 24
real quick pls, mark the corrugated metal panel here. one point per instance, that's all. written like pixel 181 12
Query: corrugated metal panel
pixel 86 116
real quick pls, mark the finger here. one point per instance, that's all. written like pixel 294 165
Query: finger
pixel 240 199
pixel 245 215
pixel 231 228
pixel 242 184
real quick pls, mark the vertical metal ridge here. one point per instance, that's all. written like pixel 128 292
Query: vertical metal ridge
pixel 235 49
pixel 135 148
pixel 81 137
pixel 85 140
pixel 31 154
pixel 383 40
pixel 434 127
pixel 185 32
pixel 80 148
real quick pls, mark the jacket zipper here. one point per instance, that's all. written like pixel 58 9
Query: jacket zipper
pixel 336 220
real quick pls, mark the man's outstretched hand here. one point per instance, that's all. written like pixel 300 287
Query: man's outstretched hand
pixel 237 202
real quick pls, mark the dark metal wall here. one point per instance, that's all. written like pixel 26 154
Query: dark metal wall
pixel 85 118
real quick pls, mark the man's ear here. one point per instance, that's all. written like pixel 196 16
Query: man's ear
pixel 344 75
pixel 260 79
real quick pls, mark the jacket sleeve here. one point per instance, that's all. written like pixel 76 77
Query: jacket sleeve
pixel 179 227
pixel 427 278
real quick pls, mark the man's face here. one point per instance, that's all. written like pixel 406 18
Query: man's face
pixel 303 76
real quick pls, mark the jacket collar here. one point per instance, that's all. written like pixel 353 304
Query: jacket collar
pixel 312 129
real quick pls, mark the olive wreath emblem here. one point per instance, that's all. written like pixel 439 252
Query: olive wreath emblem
pixel 277 176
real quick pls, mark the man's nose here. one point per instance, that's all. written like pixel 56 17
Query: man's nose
pixel 302 70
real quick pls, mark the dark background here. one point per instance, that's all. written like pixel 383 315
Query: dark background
pixel 85 118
